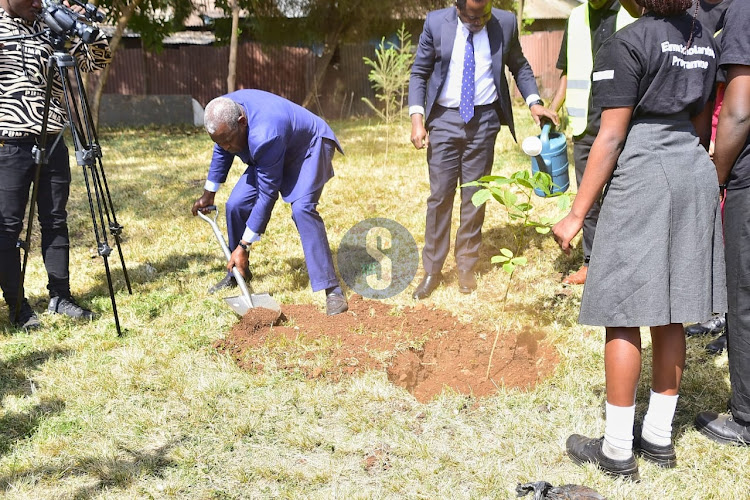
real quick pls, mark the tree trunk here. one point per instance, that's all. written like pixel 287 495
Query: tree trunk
pixel 331 43
pixel 232 69
pixel 122 23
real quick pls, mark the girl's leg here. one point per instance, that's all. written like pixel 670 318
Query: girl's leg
pixel 622 366
pixel 667 364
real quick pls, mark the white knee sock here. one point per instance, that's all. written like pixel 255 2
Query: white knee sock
pixel 618 431
pixel 657 424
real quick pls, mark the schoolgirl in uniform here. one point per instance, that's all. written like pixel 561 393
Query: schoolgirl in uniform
pixel 657 257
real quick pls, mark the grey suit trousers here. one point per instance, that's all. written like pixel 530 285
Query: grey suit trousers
pixel 458 153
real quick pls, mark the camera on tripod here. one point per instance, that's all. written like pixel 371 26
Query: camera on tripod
pixel 66 23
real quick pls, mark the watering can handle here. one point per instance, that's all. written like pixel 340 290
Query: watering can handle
pixel 545 134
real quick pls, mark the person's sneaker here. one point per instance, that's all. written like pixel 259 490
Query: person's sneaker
pixel 27 319
pixel 68 307
pixel 663 456
pixel 584 450
pixel 336 304
pixel 715 325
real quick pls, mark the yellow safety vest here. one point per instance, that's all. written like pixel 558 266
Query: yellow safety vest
pixel 581 64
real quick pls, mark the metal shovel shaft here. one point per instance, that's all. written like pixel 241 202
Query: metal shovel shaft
pixel 247 301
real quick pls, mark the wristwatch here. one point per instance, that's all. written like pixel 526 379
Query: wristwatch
pixel 538 101
pixel 245 246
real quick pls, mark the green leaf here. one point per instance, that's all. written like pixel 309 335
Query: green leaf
pixel 519 261
pixel 525 183
pixel 506 252
pixel 508 268
pixel 524 207
pixel 481 197
pixel 542 229
pixel 498 259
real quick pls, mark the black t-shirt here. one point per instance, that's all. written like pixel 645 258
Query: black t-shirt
pixel 602 23
pixel 646 65
pixel 710 14
pixel 735 49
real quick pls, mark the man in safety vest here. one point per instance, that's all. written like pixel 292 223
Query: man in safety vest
pixel 589 25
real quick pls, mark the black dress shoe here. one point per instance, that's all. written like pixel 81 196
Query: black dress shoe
pixel 717 345
pixel 467 282
pixel 663 456
pixel 336 304
pixel 428 285
pixel 584 450
pixel 723 428
pixel 715 325
pixel 228 282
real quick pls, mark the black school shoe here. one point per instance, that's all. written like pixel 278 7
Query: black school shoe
pixel 584 450
pixel 723 428
pixel 663 456
pixel 717 345
pixel 715 325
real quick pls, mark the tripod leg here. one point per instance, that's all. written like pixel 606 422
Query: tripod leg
pixel 112 295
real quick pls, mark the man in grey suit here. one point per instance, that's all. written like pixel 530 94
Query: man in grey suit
pixel 459 95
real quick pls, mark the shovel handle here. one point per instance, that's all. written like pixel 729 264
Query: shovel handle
pixel 227 254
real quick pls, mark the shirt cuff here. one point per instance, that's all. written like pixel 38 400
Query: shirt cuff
pixel 416 110
pixel 250 236
pixel 532 98
pixel 211 186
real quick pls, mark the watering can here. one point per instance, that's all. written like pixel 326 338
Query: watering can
pixel 549 154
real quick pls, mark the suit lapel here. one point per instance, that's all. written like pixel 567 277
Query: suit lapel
pixel 495 35
pixel 447 38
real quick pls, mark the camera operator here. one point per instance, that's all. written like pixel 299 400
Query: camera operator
pixel 23 81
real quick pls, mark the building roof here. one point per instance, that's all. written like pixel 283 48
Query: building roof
pixel 549 9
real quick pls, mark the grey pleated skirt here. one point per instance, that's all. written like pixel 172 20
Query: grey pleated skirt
pixel 658 255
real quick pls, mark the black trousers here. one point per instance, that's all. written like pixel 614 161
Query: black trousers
pixel 16 176
pixel 737 252
pixel 581 149
pixel 458 153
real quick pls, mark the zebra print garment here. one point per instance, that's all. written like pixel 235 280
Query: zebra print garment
pixel 23 77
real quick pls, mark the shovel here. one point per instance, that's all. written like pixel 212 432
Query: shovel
pixel 240 304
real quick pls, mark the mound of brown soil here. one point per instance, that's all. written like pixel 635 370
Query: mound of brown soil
pixel 375 335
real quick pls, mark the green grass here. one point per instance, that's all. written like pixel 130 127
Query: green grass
pixel 159 414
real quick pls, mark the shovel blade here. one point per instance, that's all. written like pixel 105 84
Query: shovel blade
pixel 241 305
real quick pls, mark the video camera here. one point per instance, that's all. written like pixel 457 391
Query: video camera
pixel 66 23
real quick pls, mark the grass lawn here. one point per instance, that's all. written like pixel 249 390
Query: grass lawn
pixel 158 413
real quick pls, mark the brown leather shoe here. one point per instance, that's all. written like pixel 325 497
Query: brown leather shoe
pixel 578 277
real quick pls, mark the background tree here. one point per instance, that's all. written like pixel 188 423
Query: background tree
pixel 153 20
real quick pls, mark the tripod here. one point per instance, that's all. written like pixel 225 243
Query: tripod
pixel 88 156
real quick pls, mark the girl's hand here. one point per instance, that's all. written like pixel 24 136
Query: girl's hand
pixel 566 230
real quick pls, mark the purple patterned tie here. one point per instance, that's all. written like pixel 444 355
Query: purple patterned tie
pixel 466 106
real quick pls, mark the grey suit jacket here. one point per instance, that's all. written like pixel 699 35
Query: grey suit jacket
pixel 430 69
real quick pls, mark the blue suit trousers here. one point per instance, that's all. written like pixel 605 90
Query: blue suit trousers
pixel 310 226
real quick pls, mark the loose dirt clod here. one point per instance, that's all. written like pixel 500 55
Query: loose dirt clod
pixel 373 335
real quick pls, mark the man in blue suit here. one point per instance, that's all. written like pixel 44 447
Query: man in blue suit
pixel 288 151
pixel 458 94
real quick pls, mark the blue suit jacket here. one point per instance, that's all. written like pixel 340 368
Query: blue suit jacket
pixel 430 69
pixel 281 136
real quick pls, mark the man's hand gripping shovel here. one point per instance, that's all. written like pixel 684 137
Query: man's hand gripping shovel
pixel 240 304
